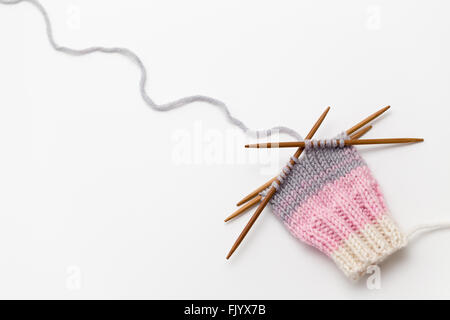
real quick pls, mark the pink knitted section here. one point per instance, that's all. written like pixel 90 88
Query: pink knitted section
pixel 339 209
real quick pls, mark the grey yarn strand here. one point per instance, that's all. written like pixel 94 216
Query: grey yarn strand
pixel 133 57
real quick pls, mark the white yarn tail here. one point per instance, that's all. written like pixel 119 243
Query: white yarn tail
pixel 427 227
pixel 133 57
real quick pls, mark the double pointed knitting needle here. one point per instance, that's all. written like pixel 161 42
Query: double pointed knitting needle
pixel 244 208
pixel 272 190
pixel 360 133
pixel 256 192
pixel 302 144
pixel 258 198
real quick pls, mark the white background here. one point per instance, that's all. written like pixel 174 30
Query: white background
pixel 93 202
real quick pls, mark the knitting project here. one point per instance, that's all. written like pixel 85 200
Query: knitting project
pixel 330 200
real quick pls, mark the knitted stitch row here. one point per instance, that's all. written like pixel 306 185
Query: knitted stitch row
pixel 330 200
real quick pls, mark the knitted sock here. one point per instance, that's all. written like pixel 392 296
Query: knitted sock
pixel 330 200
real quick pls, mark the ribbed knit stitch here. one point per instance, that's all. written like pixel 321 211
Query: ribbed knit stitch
pixel 330 200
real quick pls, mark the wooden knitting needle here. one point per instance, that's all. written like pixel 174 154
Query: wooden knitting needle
pixel 301 144
pixel 367 120
pixel 256 191
pixel 258 198
pixel 272 190
pixel 244 208
pixel 360 133
pixel 349 132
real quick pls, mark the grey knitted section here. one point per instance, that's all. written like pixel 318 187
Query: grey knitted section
pixel 317 167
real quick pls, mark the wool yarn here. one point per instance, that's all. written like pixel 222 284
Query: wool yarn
pixel 137 61
pixel 330 200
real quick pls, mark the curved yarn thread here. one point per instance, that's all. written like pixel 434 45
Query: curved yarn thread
pixel 133 57
pixel 427 227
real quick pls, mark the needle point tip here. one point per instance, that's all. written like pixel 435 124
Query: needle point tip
pixel 231 252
